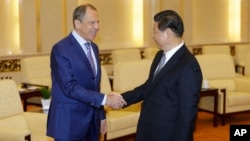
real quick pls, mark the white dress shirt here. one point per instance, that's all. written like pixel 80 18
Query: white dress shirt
pixel 171 52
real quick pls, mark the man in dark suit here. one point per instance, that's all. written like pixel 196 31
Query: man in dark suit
pixel 171 93
pixel 76 112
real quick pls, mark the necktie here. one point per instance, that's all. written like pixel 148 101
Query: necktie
pixel 90 57
pixel 161 64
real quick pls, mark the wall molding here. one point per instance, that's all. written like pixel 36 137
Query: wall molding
pixel 10 65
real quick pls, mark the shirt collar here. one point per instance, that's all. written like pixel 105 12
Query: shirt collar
pixel 173 50
pixel 78 38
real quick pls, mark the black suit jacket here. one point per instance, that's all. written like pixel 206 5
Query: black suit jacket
pixel 170 100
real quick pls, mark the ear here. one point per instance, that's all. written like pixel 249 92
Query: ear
pixel 77 23
pixel 166 33
pixel 169 33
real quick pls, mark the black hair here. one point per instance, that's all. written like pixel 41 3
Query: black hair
pixel 170 19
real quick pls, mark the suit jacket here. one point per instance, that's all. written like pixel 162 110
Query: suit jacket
pixel 76 98
pixel 170 100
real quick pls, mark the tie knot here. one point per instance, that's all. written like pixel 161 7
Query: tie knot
pixel 163 56
pixel 87 44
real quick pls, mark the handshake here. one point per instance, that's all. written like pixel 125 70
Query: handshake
pixel 115 101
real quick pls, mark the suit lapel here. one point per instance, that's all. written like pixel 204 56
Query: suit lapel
pixel 96 52
pixel 81 54
pixel 168 66
pixel 155 64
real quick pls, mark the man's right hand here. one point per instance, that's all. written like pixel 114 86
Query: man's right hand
pixel 115 101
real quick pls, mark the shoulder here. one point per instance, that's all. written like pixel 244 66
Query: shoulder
pixel 94 46
pixel 186 57
pixel 65 42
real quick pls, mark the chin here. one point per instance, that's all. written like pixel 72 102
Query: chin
pixel 91 38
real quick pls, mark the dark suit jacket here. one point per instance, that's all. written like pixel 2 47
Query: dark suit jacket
pixel 170 101
pixel 76 101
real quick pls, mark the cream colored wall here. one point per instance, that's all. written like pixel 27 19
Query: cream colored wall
pixel 9 27
pixel 210 21
pixel 116 24
pixel 245 20
pixel 51 23
pixel 44 22
pixel 28 26
pixel 185 9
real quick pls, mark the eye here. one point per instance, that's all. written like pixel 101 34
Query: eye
pixel 93 22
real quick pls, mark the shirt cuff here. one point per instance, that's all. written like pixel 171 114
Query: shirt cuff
pixel 104 100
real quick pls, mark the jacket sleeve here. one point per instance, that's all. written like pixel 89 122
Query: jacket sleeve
pixel 190 84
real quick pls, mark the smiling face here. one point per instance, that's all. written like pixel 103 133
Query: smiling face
pixel 89 25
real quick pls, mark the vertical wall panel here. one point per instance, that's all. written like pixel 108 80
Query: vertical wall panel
pixel 9 27
pixel 151 7
pixel 28 23
pixel 187 17
pixel 51 23
pixel 245 20
pixel 210 21
pixel 70 6
pixel 116 24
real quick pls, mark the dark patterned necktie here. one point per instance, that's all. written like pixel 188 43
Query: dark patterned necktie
pixel 90 57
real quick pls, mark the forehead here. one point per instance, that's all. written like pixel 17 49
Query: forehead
pixel 156 26
pixel 91 14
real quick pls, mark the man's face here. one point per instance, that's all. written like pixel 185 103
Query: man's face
pixel 159 36
pixel 89 25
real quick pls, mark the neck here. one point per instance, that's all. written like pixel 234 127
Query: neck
pixel 172 44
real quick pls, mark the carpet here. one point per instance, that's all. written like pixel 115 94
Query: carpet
pixel 205 130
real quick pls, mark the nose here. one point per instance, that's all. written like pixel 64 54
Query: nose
pixel 96 25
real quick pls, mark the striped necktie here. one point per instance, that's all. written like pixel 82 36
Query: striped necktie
pixel 90 57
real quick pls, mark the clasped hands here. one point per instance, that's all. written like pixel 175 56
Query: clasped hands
pixel 115 101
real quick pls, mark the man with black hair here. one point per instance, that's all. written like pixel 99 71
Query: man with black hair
pixel 170 95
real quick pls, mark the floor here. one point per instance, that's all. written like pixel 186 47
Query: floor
pixel 204 127
pixel 205 130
